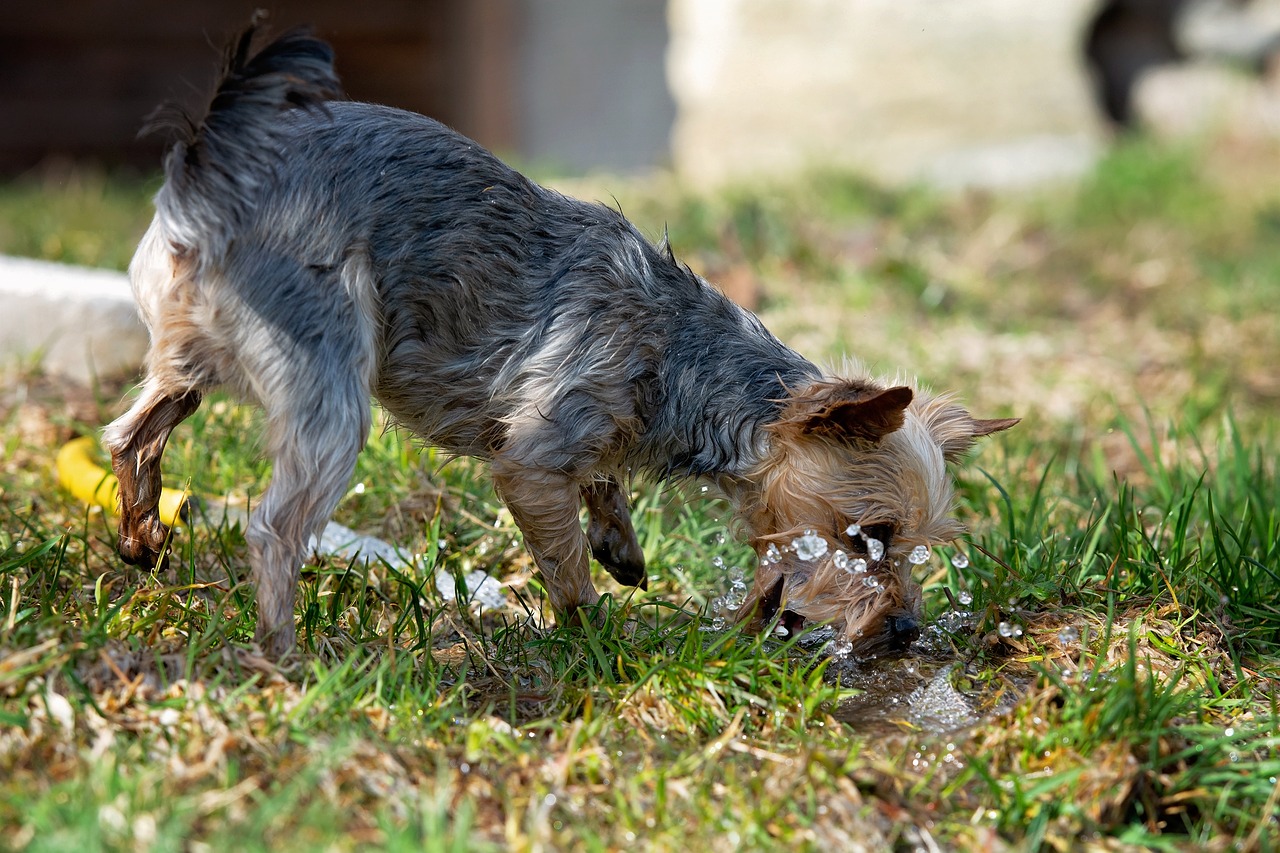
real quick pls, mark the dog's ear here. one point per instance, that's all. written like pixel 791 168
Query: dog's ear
pixel 955 429
pixel 849 410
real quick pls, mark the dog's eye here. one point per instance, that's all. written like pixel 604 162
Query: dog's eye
pixel 883 532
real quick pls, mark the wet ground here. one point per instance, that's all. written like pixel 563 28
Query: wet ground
pixel 910 694
pixel 929 690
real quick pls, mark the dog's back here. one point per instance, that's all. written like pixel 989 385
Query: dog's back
pixel 486 302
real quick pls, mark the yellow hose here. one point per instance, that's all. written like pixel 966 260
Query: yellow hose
pixel 95 486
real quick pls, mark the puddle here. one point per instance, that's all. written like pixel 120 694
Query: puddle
pixel 896 696
pixel 927 691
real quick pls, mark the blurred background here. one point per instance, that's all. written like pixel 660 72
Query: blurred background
pixel 979 92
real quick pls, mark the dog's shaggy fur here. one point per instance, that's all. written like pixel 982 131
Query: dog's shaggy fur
pixel 308 253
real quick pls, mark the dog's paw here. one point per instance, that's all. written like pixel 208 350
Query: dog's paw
pixel 621 556
pixel 144 543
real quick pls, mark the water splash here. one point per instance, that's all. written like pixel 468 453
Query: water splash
pixel 731 602
pixel 919 555
pixel 810 546
pixel 1009 629
pixel 840 648
pixel 938 706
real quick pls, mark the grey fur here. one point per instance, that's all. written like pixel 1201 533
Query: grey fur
pixel 215 166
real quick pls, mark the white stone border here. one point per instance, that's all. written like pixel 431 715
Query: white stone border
pixel 76 322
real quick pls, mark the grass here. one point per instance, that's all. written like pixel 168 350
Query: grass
pixel 1114 639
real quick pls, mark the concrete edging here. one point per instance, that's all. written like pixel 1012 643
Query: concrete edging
pixel 70 321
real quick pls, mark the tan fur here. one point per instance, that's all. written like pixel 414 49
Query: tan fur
pixel 812 480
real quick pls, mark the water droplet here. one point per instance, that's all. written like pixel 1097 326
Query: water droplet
pixel 960 560
pixel 919 555
pixel 870 582
pixel 875 549
pixel 1229 731
pixel 718 562
pixel 718 539
pixel 781 631
pixel 1005 629
pixel 810 546
pixel 854 530
pixel 841 560
pixel 1069 635
pixel 965 598
pixel 857 565
pixel 772 554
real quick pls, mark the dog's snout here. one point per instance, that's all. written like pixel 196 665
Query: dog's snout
pixel 903 630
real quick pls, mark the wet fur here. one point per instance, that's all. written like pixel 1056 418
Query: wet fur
pixel 309 253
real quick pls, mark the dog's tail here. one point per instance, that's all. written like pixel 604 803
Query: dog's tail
pixel 219 160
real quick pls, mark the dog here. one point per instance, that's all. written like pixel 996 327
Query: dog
pixel 309 253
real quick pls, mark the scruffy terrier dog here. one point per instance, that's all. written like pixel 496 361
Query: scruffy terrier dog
pixel 309 253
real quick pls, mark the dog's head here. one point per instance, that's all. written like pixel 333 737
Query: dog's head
pixel 852 493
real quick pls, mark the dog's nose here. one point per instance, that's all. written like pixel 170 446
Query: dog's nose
pixel 903 630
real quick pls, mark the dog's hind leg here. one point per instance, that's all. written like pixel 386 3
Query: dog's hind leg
pixel 136 441
pixel 315 436
pixel 163 286
pixel 313 382
pixel 611 534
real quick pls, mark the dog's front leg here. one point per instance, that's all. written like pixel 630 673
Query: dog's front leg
pixel 137 442
pixel 545 506
pixel 611 534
